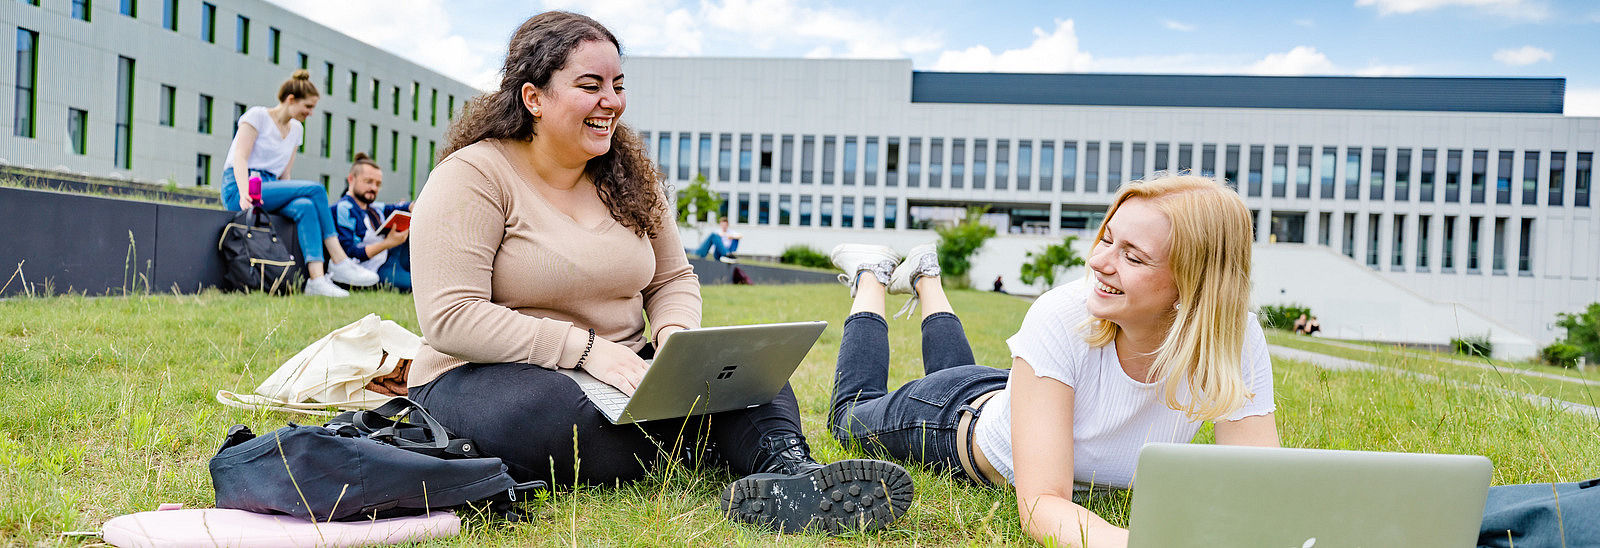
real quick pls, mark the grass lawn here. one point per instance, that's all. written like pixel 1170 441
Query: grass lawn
pixel 107 409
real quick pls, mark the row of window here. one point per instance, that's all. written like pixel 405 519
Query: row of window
pixel 1399 173
pixel 1461 235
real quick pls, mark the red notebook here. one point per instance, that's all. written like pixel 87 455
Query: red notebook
pixel 398 220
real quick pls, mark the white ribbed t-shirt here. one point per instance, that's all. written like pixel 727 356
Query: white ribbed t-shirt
pixel 272 150
pixel 1112 414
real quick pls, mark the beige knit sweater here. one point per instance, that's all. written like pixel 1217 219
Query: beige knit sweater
pixel 501 276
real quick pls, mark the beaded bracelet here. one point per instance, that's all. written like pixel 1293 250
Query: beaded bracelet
pixel 586 350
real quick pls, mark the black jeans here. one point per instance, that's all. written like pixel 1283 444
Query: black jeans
pixel 543 426
pixel 916 422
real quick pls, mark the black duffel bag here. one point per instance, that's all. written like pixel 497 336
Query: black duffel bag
pixel 336 472
pixel 253 257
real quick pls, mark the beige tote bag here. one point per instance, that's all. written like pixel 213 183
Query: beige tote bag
pixel 339 371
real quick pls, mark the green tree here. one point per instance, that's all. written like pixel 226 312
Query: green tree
pixel 699 195
pixel 957 244
pixel 1583 331
pixel 1045 265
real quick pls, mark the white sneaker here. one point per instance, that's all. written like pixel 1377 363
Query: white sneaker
pixel 730 259
pixel 348 272
pixel 323 287
pixel 922 261
pixel 855 258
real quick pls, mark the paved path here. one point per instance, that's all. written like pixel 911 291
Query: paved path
pixel 1335 363
pixel 1477 364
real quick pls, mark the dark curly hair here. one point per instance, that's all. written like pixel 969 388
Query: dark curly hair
pixel 627 181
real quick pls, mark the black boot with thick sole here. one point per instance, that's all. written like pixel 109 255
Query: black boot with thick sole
pixel 851 495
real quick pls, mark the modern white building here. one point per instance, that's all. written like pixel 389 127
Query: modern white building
pixel 1466 205
pixel 150 90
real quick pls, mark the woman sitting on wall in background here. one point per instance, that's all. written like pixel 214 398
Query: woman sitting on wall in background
pixel 544 241
pixel 1157 339
pixel 264 147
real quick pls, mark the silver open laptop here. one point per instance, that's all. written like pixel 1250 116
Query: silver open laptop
pixel 708 370
pixel 1213 495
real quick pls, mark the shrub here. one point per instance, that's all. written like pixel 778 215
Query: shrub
pixel 1473 345
pixel 1583 331
pixel 805 255
pixel 699 195
pixel 1560 355
pixel 1281 316
pixel 1044 265
pixel 958 243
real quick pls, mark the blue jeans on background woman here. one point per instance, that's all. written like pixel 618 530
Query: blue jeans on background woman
pixel 303 201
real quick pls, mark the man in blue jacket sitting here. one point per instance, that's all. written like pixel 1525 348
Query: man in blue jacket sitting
pixel 358 216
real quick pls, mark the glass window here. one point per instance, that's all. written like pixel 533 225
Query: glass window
pixel 1163 156
pixel 766 159
pixel 305 60
pixel 1473 227
pixel 850 151
pixel 1499 245
pixel 1113 166
pixel 891 162
pixel 703 156
pixel 826 219
pixel 869 212
pixel 1558 181
pixel 745 157
pixel 1230 165
pixel 1330 165
pixel 1091 166
pixel 1025 164
pixel 27 82
pixel 1373 222
pixel 208 22
pixel 1185 157
pixel 869 161
pixel 394 100
pixel 935 162
pixel 785 204
pixel 1480 169
pixel 274 43
pixel 1325 234
pixel 412 167
pixel 1581 179
pixel 1397 253
pixel 350 140
pixel 725 157
pixel 372 142
pixel 169 15
pixel 1378 179
pixel 327 137
pixel 1430 165
pixel 238 114
pixel 241 35
pixel 1257 160
pixel 1530 178
pixel 327 77
pixel 685 153
pixel 202 170
pixel 847 213
pixel 980 163
pixel 1348 245
pixel 78 131
pixel 1047 166
pixel 805 210
pixel 123 157
pixel 129 8
pixel 914 162
pixel 763 209
pixel 1136 161
pixel 1402 175
pixel 1280 171
pixel 1208 161
pixel 394 150
pixel 1452 176
pixel 376 88
pixel 433 107
pixel 1069 166
pixel 416 99
pixel 450 107
pixel 80 9
pixel 958 163
pixel 354 77
pixel 169 104
pixel 744 208
pixel 1424 224
pixel 808 159
pixel 1447 261
pixel 1352 174
pixel 1525 247
pixel 1302 173
pixel 890 212
pixel 829 154
pixel 786 159
pixel 1502 178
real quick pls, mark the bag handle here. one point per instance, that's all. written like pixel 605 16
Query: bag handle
pixel 387 430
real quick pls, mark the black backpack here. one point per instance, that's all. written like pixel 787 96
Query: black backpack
pixel 344 472
pixel 253 257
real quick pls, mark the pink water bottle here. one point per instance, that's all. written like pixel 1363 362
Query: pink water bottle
pixel 255 191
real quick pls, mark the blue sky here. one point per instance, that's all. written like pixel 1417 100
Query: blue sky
pixel 1543 38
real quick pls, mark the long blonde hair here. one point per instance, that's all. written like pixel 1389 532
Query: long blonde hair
pixel 1210 260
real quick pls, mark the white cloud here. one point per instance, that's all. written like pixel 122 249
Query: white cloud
pixel 1583 102
pixel 769 24
pixel 1055 51
pixel 1298 61
pixel 1525 55
pixel 1520 9
pixel 1177 26
pixel 643 26
pixel 418 30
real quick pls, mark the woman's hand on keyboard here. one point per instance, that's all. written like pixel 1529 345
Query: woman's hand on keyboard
pixel 616 365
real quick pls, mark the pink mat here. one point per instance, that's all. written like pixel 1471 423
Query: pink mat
pixel 240 529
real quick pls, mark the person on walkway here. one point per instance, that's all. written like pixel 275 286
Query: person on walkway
pixel 358 216
pixel 544 241
pixel 1157 339
pixel 720 245
pixel 264 147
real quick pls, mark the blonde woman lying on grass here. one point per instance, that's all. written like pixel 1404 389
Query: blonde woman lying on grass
pixel 1157 340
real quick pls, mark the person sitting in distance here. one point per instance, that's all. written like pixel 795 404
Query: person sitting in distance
pixel 547 242
pixel 720 245
pixel 358 216
pixel 1300 325
pixel 1140 351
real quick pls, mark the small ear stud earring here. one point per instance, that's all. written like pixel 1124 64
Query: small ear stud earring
pixel 534 111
